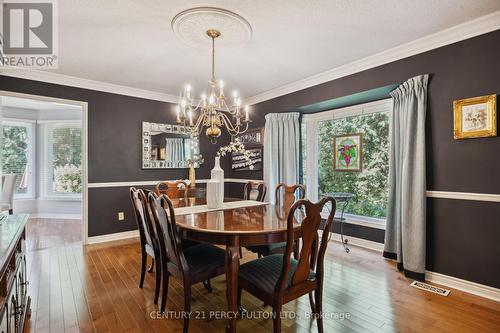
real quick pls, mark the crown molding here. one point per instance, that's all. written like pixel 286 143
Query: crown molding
pixel 448 36
pixel 73 81
pixel 479 26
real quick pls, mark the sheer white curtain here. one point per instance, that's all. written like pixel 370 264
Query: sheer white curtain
pixel 175 149
pixel 281 150
pixel 406 217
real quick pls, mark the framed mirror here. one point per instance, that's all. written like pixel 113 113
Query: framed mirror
pixel 166 146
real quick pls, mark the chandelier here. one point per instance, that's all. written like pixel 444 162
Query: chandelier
pixel 213 111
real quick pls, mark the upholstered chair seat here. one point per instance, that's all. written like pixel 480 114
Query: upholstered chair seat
pixel 264 273
pixel 204 259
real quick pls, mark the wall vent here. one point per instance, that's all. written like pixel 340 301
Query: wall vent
pixel 429 288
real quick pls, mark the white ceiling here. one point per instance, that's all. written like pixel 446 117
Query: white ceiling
pixel 131 43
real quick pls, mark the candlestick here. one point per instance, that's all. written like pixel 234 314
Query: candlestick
pixel 247 116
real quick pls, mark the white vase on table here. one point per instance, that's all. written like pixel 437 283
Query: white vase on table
pixel 215 187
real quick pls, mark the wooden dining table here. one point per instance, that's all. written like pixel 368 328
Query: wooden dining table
pixel 254 225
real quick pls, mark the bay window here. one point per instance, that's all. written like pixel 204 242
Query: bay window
pixel 63 162
pixel 18 155
pixel 370 185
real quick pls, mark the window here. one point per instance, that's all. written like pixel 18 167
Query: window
pixel 17 156
pixel 63 172
pixel 370 186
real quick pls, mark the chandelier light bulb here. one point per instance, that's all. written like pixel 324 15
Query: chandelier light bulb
pixel 247 114
pixel 221 84
pixel 183 103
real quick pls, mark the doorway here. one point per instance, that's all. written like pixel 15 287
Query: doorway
pixel 44 149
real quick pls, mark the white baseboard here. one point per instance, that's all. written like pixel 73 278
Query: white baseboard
pixel 56 216
pixel 464 285
pixel 113 237
pixel 379 247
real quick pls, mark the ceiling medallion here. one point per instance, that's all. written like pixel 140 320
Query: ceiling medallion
pixel 191 25
pixel 214 110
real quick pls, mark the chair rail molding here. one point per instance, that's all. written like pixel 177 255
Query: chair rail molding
pixel 463 196
pixel 154 182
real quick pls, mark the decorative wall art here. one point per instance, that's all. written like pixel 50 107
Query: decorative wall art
pixel 252 138
pixel 238 161
pixel 475 117
pixel 348 152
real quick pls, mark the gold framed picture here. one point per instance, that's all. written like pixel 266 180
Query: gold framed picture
pixel 475 117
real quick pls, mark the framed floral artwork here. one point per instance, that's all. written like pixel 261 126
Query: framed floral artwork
pixel 348 152
pixel 475 117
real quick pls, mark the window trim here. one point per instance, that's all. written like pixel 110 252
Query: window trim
pixel 311 121
pixel 47 194
pixel 31 126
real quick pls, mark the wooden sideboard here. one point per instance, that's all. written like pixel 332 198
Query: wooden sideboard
pixel 14 299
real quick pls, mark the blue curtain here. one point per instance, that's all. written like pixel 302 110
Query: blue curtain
pixel 281 150
pixel 406 216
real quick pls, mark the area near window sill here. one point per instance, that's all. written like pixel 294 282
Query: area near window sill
pixel 61 198
pixel 360 220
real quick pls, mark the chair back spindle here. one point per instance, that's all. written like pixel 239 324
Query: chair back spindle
pixel 254 191
pixel 170 241
pixel 312 252
pixel 143 219
pixel 174 190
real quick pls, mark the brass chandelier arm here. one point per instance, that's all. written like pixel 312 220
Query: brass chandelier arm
pixel 232 129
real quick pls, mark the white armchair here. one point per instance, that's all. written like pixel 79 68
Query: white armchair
pixel 7 198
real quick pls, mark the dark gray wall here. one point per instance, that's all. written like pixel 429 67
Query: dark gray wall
pixel 114 138
pixel 462 236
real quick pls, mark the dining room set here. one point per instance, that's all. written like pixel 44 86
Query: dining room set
pixel 184 238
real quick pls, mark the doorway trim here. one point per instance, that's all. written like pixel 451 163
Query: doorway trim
pixel 84 107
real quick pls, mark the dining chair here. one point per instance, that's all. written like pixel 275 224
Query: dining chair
pixel 148 238
pixel 8 189
pixel 195 264
pixel 278 279
pixel 254 191
pixel 175 189
pixel 195 192
pixel 285 196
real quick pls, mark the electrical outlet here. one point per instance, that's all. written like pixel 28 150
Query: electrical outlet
pixel 121 216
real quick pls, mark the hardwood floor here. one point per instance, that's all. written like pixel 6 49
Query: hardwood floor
pixel 95 289
pixel 45 233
